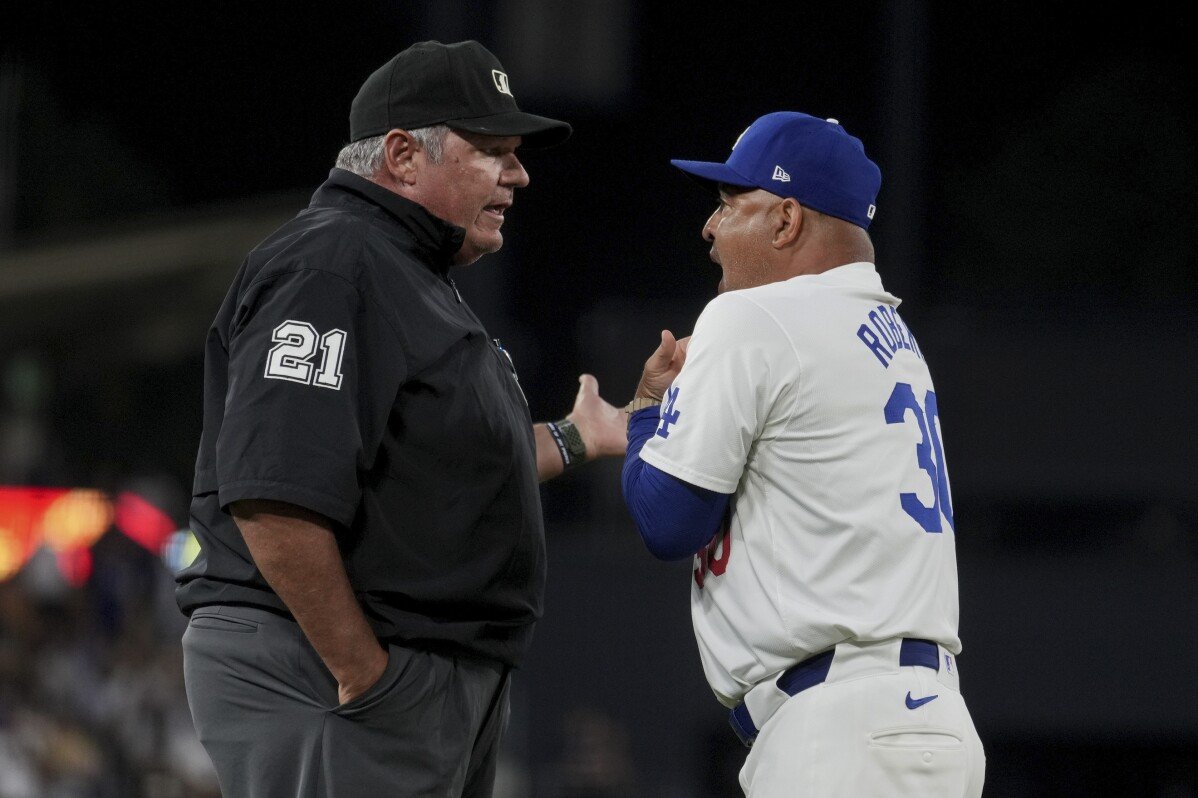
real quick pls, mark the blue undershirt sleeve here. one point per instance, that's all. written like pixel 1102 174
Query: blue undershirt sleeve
pixel 675 518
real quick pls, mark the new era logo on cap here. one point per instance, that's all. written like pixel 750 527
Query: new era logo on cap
pixel 780 175
pixel 501 83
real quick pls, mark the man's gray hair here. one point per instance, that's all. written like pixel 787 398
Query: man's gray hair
pixel 366 157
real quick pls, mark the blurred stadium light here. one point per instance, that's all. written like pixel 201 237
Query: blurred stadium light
pixel 68 521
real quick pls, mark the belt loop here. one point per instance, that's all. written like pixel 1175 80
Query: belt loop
pixel 948 675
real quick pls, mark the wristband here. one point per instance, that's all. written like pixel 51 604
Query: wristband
pixel 569 442
pixel 640 403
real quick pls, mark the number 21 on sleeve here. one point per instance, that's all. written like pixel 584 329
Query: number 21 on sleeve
pixel 295 346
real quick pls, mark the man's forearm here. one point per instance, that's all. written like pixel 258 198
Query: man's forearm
pixel 674 518
pixel 601 427
pixel 296 551
pixel 549 457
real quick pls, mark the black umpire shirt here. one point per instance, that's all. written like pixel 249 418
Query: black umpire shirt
pixel 344 374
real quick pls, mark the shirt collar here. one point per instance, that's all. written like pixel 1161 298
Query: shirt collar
pixel 861 275
pixel 436 239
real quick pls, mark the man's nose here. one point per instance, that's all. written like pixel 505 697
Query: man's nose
pixel 709 229
pixel 514 174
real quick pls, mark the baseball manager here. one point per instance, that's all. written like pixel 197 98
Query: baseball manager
pixel 792 445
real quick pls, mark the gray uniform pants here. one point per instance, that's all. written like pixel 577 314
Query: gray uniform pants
pixel 265 708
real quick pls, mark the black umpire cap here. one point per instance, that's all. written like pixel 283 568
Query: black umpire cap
pixel 460 85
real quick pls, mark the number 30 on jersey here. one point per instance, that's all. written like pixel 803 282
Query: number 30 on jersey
pixel 929 455
pixel 295 346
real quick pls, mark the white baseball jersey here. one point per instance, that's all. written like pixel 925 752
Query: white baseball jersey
pixel 810 401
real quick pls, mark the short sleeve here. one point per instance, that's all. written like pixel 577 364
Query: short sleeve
pixel 313 374
pixel 738 378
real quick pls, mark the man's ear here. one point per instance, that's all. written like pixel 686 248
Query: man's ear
pixel 788 222
pixel 399 150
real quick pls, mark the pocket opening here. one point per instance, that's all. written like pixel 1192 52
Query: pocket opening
pixel 916 737
pixel 378 691
pixel 223 623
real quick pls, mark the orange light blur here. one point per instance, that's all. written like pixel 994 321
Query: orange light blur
pixel 21 511
pixel 12 554
pixel 76 520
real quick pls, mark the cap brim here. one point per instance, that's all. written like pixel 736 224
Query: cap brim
pixel 538 131
pixel 710 175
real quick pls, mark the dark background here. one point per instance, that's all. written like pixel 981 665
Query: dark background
pixel 1039 171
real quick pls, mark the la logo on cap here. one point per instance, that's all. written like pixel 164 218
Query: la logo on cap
pixel 501 83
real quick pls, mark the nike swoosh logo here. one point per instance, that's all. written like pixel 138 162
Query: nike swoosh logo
pixel 916 703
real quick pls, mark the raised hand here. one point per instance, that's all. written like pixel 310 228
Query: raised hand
pixel 662 366
pixel 603 427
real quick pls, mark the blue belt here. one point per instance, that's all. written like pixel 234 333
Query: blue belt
pixel 814 670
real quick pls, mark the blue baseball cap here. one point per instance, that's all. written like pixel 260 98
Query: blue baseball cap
pixel 795 155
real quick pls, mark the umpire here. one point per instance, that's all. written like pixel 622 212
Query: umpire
pixel 366 499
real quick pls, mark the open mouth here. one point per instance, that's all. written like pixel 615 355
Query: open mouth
pixel 496 210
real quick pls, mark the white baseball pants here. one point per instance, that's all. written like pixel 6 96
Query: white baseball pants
pixel 870 730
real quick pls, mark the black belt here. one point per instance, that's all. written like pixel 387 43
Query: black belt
pixel 814 670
